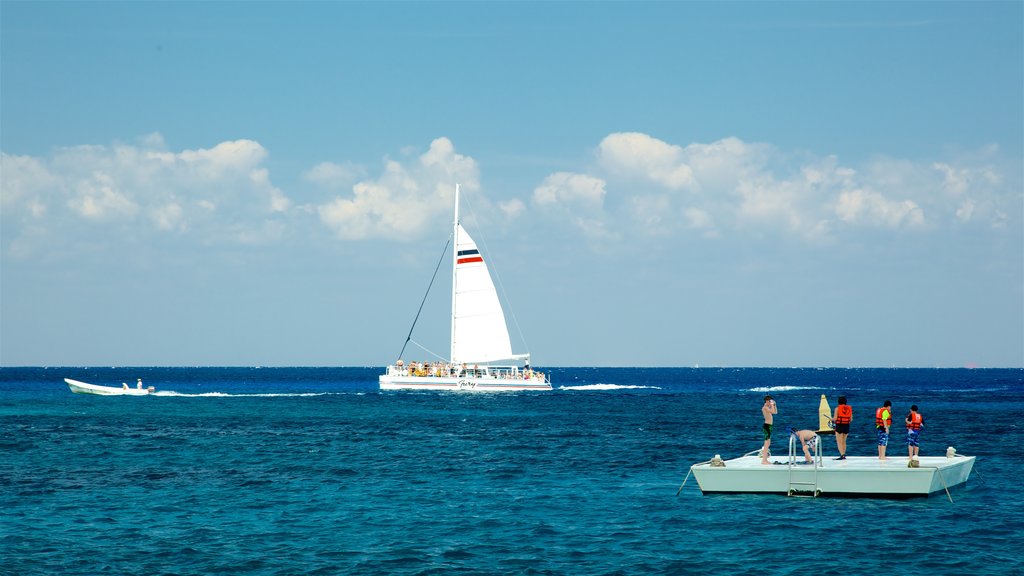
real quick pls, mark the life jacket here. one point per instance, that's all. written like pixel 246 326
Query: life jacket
pixel 916 421
pixel 879 423
pixel 844 414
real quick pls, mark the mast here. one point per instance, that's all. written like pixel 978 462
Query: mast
pixel 455 261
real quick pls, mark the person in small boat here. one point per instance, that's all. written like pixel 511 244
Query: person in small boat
pixel 841 419
pixel 883 420
pixel 124 385
pixel 767 410
pixel 808 440
pixel 915 421
pixel 139 384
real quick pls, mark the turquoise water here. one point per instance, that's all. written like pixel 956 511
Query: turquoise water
pixel 313 471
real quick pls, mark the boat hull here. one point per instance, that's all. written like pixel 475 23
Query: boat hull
pixel 855 476
pixel 85 388
pixel 476 384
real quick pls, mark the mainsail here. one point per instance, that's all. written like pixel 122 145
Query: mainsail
pixel 479 332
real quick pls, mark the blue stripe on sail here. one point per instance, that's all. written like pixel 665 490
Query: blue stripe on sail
pixel 468 252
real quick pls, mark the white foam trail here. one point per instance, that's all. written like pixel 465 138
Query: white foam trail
pixel 606 387
pixel 782 388
pixel 226 395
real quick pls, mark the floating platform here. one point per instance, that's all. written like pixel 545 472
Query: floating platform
pixel 854 476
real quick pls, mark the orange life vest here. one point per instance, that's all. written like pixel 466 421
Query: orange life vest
pixel 879 423
pixel 844 414
pixel 916 421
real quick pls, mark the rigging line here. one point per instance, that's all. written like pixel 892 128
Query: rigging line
pixel 429 351
pixel 432 278
pixel 490 265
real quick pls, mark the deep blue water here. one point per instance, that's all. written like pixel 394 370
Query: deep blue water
pixel 313 471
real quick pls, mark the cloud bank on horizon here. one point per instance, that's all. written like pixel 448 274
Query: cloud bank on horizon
pixel 634 184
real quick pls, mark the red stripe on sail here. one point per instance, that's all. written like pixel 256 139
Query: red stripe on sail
pixel 470 260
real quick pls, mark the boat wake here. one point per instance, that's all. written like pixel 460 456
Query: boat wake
pixel 607 387
pixel 226 395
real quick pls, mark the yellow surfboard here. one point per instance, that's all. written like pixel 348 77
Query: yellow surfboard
pixel 825 425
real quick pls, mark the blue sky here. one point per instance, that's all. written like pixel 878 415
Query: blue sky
pixel 658 184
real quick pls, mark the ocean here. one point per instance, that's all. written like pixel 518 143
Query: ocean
pixel 275 471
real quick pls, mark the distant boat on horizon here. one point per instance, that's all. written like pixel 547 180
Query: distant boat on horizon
pixel 479 336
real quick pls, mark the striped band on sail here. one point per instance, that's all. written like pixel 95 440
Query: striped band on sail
pixel 469 256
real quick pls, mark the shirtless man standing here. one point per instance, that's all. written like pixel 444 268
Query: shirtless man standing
pixel 767 410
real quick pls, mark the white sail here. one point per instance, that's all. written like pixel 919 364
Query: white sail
pixel 479 332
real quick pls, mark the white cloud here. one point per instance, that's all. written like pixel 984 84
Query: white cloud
pixel 868 207
pixel 633 154
pixel 405 199
pixel 731 187
pixel 98 198
pixel 566 188
pixel 975 191
pixel 636 185
pixel 143 187
pixel 576 200
pixel 23 179
pixel 512 208
pixel 168 217
pixel 333 176
pixel 699 219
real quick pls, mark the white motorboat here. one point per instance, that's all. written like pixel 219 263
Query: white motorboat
pixel 125 390
pixel 479 336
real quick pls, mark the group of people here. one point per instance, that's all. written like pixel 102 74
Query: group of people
pixel 841 420
pixel 883 424
pixel 448 370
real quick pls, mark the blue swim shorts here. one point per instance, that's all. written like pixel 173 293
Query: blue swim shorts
pixel 883 437
pixel 913 436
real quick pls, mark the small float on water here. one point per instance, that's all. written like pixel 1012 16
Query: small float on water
pixel 856 476
pixel 125 390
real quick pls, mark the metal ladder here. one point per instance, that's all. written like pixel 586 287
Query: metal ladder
pixel 794 485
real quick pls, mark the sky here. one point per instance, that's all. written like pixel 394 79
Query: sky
pixel 652 184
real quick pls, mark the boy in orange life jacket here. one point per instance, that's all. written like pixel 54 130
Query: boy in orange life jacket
pixel 842 419
pixel 883 420
pixel 915 421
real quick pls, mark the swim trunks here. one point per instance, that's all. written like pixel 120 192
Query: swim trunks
pixel 883 437
pixel 913 436
pixel 767 431
pixel 843 428
pixel 812 444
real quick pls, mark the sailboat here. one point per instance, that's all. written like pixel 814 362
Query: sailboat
pixel 481 358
